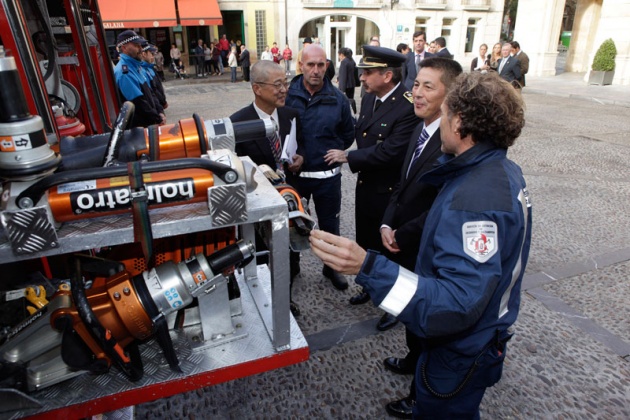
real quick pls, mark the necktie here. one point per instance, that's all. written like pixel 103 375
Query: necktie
pixel 418 60
pixel 274 143
pixel 424 136
pixel 377 104
pixel 503 61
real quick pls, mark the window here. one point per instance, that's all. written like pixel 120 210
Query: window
pixel 261 31
pixel 447 25
pixel 421 25
pixel 470 34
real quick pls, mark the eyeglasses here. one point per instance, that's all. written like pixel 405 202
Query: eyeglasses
pixel 276 85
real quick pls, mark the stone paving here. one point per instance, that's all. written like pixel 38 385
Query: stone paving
pixel 570 356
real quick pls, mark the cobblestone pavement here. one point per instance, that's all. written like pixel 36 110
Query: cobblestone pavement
pixel 570 356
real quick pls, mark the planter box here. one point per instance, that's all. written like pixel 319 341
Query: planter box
pixel 601 77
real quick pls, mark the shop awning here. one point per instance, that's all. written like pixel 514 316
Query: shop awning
pixel 199 12
pixel 119 14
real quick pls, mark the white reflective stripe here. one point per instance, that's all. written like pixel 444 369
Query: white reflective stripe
pixel 401 293
pixel 503 308
pixel 321 174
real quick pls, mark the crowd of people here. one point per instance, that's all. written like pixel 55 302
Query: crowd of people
pixel 442 217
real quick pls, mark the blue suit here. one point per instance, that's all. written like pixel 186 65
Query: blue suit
pixel 411 69
pixel 464 293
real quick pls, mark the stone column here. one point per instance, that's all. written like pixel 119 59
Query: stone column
pixel 538 24
pixel 613 24
pixel 585 25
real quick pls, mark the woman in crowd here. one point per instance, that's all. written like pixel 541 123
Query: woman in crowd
pixel 287 56
pixel 233 63
pixel 493 58
pixel 480 63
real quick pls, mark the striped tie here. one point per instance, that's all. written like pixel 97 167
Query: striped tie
pixel 274 143
pixel 424 136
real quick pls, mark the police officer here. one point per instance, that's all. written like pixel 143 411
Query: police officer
pixel 382 133
pixel 148 65
pixel 133 83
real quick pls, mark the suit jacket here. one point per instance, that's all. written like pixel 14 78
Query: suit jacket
pixel 259 149
pixel 411 200
pixel 524 60
pixel 245 58
pixel 382 138
pixel 411 70
pixel 346 74
pixel 444 53
pixel 511 71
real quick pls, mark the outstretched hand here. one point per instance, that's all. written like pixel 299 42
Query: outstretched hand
pixel 340 254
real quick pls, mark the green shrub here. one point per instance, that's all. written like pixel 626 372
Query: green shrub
pixel 605 56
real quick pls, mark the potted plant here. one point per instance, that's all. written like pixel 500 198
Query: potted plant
pixel 603 68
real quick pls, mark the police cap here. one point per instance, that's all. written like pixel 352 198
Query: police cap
pixel 148 47
pixel 128 36
pixel 380 57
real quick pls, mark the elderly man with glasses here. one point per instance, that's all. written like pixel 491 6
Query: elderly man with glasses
pixel 269 84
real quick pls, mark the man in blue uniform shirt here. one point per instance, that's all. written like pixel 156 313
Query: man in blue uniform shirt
pixel 133 83
pixel 464 293
pixel 327 124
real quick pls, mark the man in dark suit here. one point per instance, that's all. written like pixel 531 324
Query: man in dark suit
pixel 269 84
pixel 440 42
pixel 403 222
pixel 523 59
pixel 382 134
pixel 509 67
pixel 346 77
pixel 245 62
pixel 414 58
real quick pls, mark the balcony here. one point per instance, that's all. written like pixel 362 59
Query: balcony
pixel 431 4
pixel 477 5
pixel 344 4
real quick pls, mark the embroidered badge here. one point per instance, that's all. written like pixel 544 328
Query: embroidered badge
pixel 408 96
pixel 480 240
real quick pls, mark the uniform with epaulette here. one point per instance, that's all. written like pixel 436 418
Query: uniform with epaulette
pixel 382 134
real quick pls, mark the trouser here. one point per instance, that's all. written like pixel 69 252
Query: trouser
pixel 350 94
pixel 287 65
pixel 246 73
pixel 233 74
pixel 326 194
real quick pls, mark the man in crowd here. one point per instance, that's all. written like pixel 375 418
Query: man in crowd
pixel 464 293
pixel 327 124
pixel 269 84
pixel 523 59
pixel 442 51
pixel 132 82
pixel 245 62
pixel 148 66
pixel 411 201
pixel 199 58
pixel 415 57
pixel 509 67
pixel 224 47
pixel 382 135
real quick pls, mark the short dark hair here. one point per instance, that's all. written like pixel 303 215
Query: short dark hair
pixel 450 68
pixel 418 33
pixel 441 41
pixel 516 45
pixel 402 46
pixel 490 108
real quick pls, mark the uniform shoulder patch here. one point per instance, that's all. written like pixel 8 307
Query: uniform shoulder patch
pixel 125 69
pixel 409 96
pixel 480 240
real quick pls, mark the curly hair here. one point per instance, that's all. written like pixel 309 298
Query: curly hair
pixel 489 107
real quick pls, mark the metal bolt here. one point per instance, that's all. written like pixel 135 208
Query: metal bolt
pixel 116 295
pixel 25 203
pixel 231 176
pixel 126 291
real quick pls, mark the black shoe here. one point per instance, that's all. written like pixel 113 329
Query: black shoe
pixel 295 310
pixel 398 365
pixel 403 409
pixel 360 298
pixel 337 279
pixel 386 322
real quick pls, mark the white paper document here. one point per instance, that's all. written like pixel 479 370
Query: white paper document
pixel 290 144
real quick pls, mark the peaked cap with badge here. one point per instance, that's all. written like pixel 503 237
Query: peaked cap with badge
pixel 128 36
pixel 380 57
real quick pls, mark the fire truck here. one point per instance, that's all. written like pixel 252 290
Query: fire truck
pixel 130 258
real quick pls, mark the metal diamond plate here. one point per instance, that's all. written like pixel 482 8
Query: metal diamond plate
pixel 228 204
pixel 255 346
pixel 29 230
